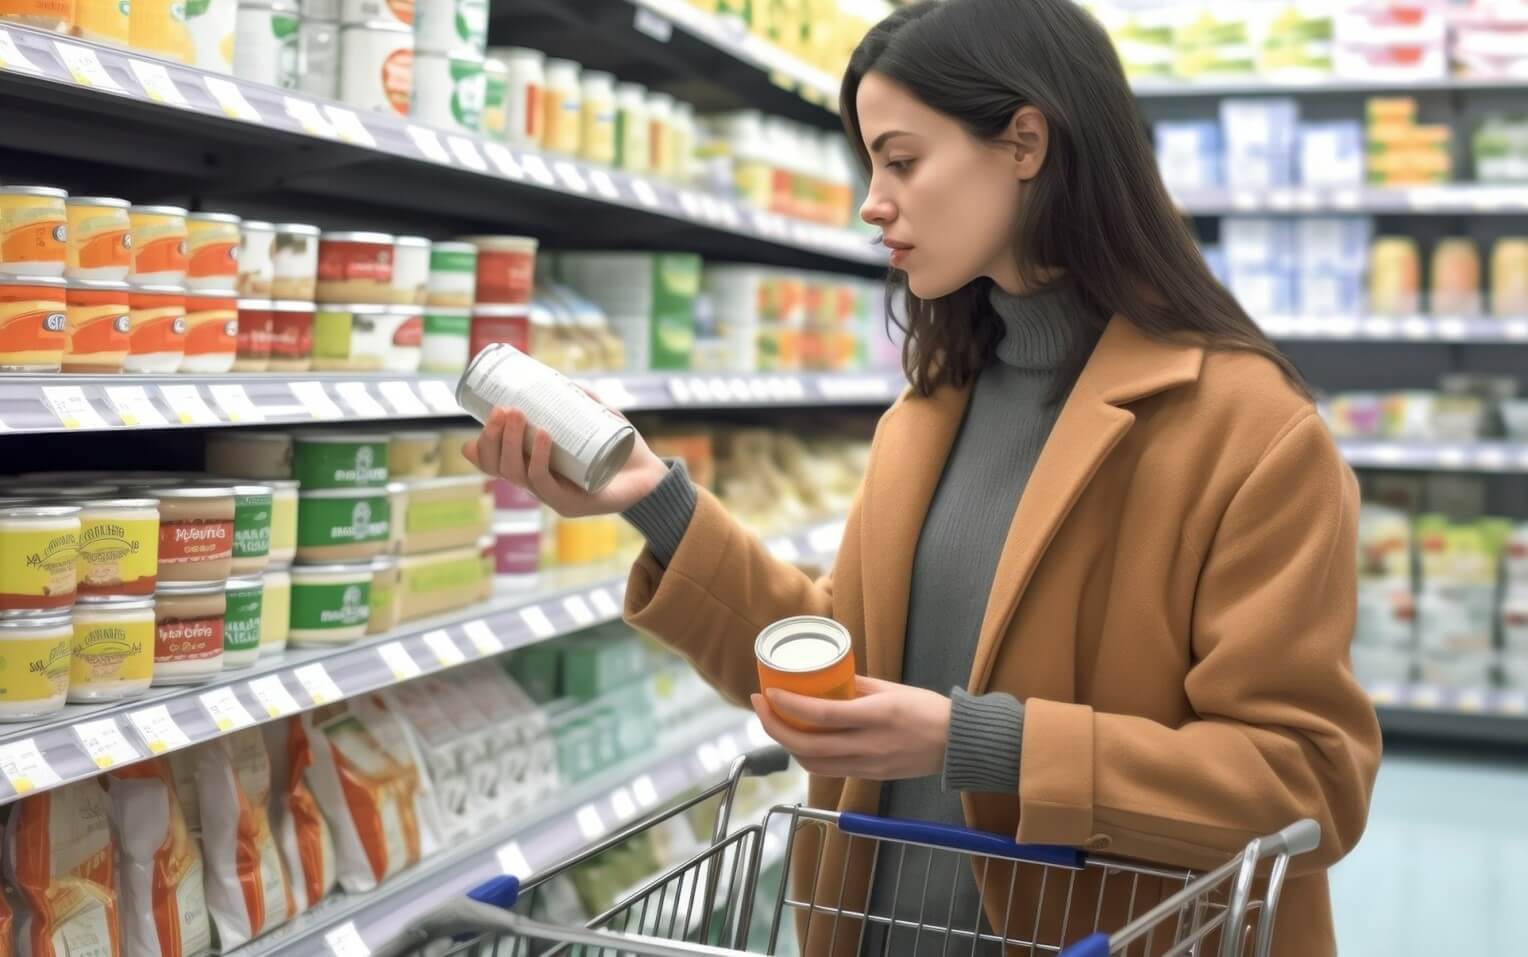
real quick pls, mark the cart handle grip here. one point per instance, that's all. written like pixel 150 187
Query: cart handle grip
pixel 770 759
pixel 951 837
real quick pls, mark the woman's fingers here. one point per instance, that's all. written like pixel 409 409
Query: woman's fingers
pixel 818 712
pixel 512 448
pixel 489 441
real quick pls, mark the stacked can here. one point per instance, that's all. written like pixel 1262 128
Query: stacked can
pixel 448 307
pixel 318 48
pixel 277 270
pixel 371 292
pixel 265 48
pixel 450 86
pixel 506 274
pixel 376 54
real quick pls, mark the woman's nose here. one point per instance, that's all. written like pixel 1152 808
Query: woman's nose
pixel 877 210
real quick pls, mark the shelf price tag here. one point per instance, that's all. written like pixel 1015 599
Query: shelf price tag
pixel 689 203
pixel 622 803
pixel 512 861
pixel 653 25
pixel 429 144
pixel 445 650
pixel 158 729
pixel 345 941
pixel 536 620
pixel 25 767
pixel 134 406
pixel 236 404
pixel 85 67
pixel 231 99
pixel 156 83
pixel 440 397
pixel 360 401
pixel 571 177
pixel 11 57
pixel 590 824
pixel 348 127
pixel 1512 702
pixel 645 193
pixel 187 404
pixel 467 154
pixel 578 610
pixel 225 710
pixel 399 661
pixel 316 682
pixel 74 411
pixel 273 696
pixel 316 400
pixel 604 605
pixel 504 160
pixel 646 795
pixel 537 168
pixel 603 184
pixel 401 396
pixel 306 114
pixel 105 743
pixel 482 637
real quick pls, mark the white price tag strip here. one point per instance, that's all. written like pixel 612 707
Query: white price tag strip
pixel 273 696
pixel 504 160
pixel 429 145
pixel 348 127
pixel 467 154
pixel 645 193
pixel 439 642
pixel 399 661
pixel 133 405
pixel 360 400
pixel 590 824
pixel 536 620
pixel 604 605
pixel 236 404
pixel 512 861
pixel 85 67
pixel 307 115
pixel 225 710
pixel 158 729
pixel 231 99
pixel 316 682
pixel 25 767
pixel 482 637
pixel 578 610
pixel 104 742
pixel 187 404
pixel 316 400
pixel 537 168
pixel 646 795
pixel 440 397
pixel 74 411
pixel 156 83
pixel 653 25
pixel 11 58
pixel 603 184
pixel 345 941
pixel 403 399
pixel 571 177
pixel 623 804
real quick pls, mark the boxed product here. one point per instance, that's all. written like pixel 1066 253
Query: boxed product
pixel 649 299
pixel 444 513
pixel 439 581
pixel 1296 39
pixel 60 857
pixel 1260 140
pixel 449 751
pixel 1332 153
pixel 1211 41
pixel 1500 144
pixel 1259 242
pixel 1333 243
pixel 1330 294
pixel 1401 40
pixel 1189 153
pixel 1264 292
pixel 1490 39
pixel 163 904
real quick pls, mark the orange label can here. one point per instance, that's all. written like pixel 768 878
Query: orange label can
pixel 103 21
pixel 212 331
pixel 33 231
pixel 159 244
pixel 212 251
pixel 99 323
pixel 809 656
pixel 33 324
pixel 157 336
pixel 100 239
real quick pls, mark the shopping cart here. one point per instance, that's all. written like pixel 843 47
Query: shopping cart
pixel 705 905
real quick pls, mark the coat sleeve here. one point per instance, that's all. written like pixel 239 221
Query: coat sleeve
pixel 1283 729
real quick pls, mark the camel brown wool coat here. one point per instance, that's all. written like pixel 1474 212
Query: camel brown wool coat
pixel 1174 605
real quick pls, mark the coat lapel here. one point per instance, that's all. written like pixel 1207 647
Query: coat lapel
pixel 1125 366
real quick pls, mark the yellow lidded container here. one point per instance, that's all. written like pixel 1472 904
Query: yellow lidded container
pixel 39 550
pixel 159 27
pixel 34 327
pixel 158 239
pixel 33 230
pixel 34 665
pixel 112 650
pixel 100 238
pixel 104 21
pixel 54 15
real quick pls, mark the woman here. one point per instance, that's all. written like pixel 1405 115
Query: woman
pixel 1100 574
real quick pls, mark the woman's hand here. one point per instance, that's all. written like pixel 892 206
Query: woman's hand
pixel 889 732
pixel 501 451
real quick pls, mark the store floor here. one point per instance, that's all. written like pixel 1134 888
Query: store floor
pixel 1444 862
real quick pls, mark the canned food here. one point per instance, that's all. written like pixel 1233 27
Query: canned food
pixel 367 338
pixel 35 676
pixel 243 613
pixel 660 140
pixel 448 91
pixel 324 461
pixel 118 548
pixel 495 98
pixel 291 336
pixel 188 631
pixel 1395 272
pixel 54 15
pixel 157 328
pixel 411 270
pixel 276 613
pixel 355 267
pixel 453 274
pixel 34 231
pixel 597 138
pixel 158 244
pixel 318 57
pixel 1455 289
pixel 320 10
pixel 111 650
pixel 506 268
pixel 212 331
pixel 39 556
pixel 159 27
pixel 452 26
pixel 257 263
pixel 212 25
pixel 524 105
pixel 331 604
pixel 342 525
pixel 212 251
pixel 195 533
pixel 590 443
pixel 377 66
pixel 256 329
pixel 492 324
pixel 632 150
pixel 100 238
pixel 390 12
pixel 99 322
pixel 809 656
pixel 259 455
pixel 562 106
pixel 296 262
pixel 444 343
pixel 386 595
pixel 34 325
pixel 265 45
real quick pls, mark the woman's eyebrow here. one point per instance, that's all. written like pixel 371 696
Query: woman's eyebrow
pixel 880 141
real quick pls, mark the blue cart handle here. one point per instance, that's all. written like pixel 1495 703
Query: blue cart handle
pixel 951 837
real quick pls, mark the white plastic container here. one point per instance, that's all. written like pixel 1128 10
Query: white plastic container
pixel 453 275
pixel 318 58
pixel 377 66
pixel 112 656
pixel 446 334
pixel 632 150
pixel 449 90
pixel 265 46
pixel 411 270
pixel 320 10
pixel 524 99
pixel 276 611
pixel 188 640
pixel 36 651
pixel 242 621
pixel 296 262
pixel 212 24
pixel 257 259
pixel 495 90
pixel 330 603
pixel 562 107
pixel 395 12
pixel 451 26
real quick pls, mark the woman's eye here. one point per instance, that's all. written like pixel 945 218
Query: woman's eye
pixel 899 165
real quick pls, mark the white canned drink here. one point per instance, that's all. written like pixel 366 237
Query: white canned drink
pixel 451 26
pixel 318 58
pixel 448 91
pixel 524 122
pixel 212 24
pixel 377 66
pixel 590 443
pixel 397 12
pixel 495 94
pixel 265 48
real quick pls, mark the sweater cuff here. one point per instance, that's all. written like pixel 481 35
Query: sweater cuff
pixel 664 515
pixel 985 742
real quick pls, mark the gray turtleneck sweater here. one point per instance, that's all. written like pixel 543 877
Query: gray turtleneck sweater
pixel 1006 424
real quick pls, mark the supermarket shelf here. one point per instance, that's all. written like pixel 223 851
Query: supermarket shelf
pixel 1476 715
pixel 83 740
pixel 63 403
pixel 1482 456
pixel 1439 329
pixel 586 813
pixel 1444 199
pixel 1148 89
pixel 192 131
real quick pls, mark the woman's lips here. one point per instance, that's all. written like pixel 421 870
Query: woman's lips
pixel 899 255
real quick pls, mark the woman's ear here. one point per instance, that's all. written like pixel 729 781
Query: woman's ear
pixel 1029 137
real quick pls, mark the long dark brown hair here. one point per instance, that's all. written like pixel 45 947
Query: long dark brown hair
pixel 1097 212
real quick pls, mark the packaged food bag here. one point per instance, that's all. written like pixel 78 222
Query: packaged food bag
pixel 60 858
pixel 447 753
pixel 246 881
pixel 164 909
pixel 307 845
